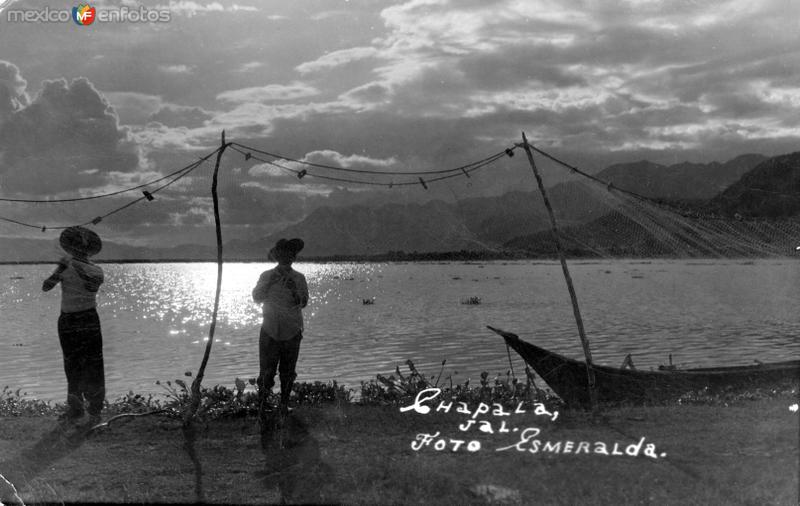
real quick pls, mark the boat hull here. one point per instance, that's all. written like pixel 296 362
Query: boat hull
pixel 569 378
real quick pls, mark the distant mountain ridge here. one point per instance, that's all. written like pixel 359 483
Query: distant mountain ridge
pixel 491 223
pixel 511 220
pixel 770 190
pixel 682 181
pixel 15 249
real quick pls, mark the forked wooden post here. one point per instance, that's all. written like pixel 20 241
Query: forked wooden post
pixel 195 391
pixel 578 320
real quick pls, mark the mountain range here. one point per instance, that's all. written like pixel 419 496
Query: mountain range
pixel 749 185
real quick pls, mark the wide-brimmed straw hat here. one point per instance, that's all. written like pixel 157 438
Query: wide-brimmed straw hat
pixel 286 247
pixel 80 241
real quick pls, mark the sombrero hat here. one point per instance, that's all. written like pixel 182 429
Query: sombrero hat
pixel 286 246
pixel 80 241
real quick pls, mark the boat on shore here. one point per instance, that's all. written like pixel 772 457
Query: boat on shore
pixel 569 378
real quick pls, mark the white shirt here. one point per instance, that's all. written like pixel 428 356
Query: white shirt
pixel 76 294
pixel 284 293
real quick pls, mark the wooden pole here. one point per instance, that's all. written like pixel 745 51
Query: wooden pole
pixel 578 320
pixel 195 400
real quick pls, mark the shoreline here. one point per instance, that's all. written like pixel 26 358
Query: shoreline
pixel 467 257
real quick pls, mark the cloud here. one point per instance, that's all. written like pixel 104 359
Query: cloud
pixel 252 65
pixel 172 115
pixel 267 170
pixel 66 139
pixel 190 8
pixel 269 93
pixel 134 108
pixel 337 59
pixel 334 158
pixel 13 95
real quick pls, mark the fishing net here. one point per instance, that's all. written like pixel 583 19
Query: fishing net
pixel 755 217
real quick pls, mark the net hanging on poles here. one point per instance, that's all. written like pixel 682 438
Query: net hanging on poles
pixel 598 219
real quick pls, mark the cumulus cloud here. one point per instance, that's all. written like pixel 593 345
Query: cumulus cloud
pixel 134 108
pixel 13 96
pixel 67 138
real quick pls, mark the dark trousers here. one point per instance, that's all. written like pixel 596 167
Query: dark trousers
pixel 82 346
pixel 277 356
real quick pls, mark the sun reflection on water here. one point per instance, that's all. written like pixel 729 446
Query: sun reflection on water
pixel 156 318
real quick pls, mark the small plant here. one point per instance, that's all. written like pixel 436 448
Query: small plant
pixel 398 389
pixel 12 403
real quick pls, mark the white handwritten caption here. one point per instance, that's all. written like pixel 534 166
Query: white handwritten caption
pixel 528 442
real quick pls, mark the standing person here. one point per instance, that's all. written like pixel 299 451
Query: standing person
pixel 79 324
pixel 284 293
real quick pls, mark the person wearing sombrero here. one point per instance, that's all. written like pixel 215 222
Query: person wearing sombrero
pixel 78 324
pixel 283 292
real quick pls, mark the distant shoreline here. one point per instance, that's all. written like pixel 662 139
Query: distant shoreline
pixel 382 257
pixel 458 256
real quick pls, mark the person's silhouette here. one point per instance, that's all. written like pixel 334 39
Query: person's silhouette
pixel 78 324
pixel 284 293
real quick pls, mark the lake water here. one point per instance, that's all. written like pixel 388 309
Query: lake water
pixel 155 318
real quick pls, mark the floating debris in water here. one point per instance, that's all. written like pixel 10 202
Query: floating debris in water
pixel 471 301
pixel 368 302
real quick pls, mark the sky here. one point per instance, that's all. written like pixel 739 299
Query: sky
pixel 372 85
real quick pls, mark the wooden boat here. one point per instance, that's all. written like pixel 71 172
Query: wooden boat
pixel 569 378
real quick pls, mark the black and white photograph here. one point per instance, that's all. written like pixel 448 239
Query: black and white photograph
pixel 497 252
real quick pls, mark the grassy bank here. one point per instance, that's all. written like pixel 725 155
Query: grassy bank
pixel 742 453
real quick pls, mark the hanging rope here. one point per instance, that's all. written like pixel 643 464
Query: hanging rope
pixel 189 167
pixel 458 172
pixel 489 159
pixel 461 171
pixel 147 196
